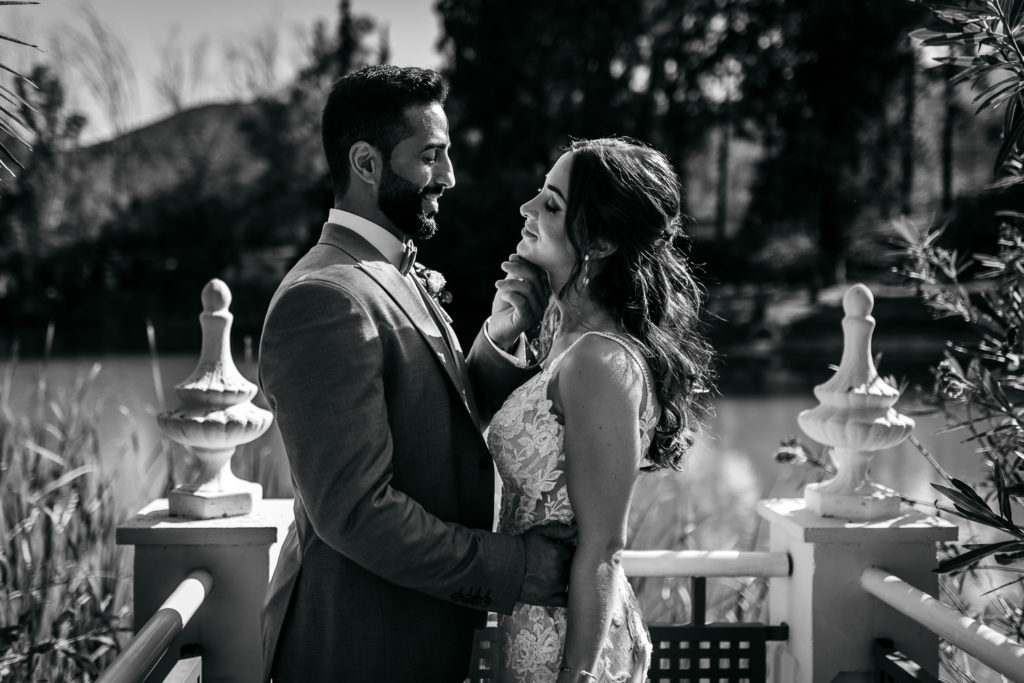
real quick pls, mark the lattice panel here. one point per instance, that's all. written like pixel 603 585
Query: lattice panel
pixel 732 653
pixel 892 666
pixel 484 655
pixel 720 653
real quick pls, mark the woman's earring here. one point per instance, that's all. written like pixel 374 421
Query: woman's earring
pixel 586 269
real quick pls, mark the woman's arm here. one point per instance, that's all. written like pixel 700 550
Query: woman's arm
pixel 598 390
pixel 518 304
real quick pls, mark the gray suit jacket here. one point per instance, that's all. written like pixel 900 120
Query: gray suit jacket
pixel 390 564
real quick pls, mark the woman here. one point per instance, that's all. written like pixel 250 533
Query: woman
pixel 622 374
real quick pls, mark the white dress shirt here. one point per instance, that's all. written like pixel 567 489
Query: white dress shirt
pixel 383 241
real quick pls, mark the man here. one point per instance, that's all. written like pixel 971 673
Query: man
pixel 390 564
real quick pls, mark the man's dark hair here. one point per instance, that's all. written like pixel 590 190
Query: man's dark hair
pixel 369 105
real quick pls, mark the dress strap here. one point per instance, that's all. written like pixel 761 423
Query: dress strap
pixel 558 359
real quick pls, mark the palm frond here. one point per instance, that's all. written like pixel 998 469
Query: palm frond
pixel 12 39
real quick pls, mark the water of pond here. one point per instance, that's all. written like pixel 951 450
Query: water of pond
pixel 738 446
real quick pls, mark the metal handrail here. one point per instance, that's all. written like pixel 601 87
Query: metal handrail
pixel 985 644
pixel 153 639
pixel 710 563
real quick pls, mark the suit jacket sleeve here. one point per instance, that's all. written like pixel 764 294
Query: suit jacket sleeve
pixel 492 376
pixel 321 363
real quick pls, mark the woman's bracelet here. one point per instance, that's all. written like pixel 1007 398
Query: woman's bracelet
pixel 585 674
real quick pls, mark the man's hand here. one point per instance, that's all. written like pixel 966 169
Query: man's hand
pixel 549 551
pixel 519 302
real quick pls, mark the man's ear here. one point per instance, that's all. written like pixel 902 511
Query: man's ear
pixel 365 162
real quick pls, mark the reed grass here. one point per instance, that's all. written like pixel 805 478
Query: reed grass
pixel 65 586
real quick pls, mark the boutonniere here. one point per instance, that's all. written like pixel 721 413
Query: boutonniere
pixel 433 282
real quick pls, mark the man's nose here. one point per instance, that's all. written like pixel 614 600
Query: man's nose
pixel 445 172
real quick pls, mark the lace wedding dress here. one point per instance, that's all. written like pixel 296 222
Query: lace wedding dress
pixel 526 440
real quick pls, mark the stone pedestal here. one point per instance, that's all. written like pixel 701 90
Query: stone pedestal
pixel 240 552
pixel 851 495
pixel 832 621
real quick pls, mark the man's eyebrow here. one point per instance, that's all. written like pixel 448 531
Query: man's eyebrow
pixel 436 145
pixel 557 191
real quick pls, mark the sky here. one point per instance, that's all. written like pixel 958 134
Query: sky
pixel 151 29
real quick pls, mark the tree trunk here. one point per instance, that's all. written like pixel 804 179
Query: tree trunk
pixel 722 194
pixel 831 237
pixel 907 152
pixel 948 123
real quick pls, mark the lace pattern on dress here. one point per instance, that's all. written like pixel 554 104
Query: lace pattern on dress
pixel 526 440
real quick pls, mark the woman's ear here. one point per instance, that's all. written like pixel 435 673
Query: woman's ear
pixel 601 248
pixel 365 162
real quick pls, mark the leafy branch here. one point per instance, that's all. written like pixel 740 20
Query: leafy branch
pixel 987 35
pixel 983 398
pixel 967 504
pixel 979 385
pixel 11 124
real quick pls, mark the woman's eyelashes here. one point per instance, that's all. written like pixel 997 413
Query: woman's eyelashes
pixel 549 205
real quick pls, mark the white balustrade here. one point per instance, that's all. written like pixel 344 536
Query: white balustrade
pixel 217 521
pixel 217 416
pixel 990 647
pixel 239 552
pixel 150 644
pixel 847 524
pixel 855 419
pixel 709 563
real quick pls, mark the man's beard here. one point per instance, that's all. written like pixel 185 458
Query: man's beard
pixel 402 202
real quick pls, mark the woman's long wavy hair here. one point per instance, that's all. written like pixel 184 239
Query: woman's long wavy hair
pixel 628 194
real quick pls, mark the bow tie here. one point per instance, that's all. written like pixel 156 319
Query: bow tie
pixel 408 258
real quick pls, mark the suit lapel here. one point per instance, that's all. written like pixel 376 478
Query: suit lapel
pixel 405 295
pixel 444 322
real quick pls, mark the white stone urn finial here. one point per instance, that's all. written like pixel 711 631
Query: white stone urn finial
pixel 216 416
pixel 855 418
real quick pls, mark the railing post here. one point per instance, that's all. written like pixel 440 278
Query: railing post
pixel 847 525
pixel 239 552
pixel 218 522
pixel 832 621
